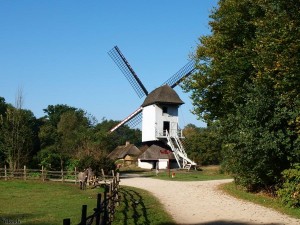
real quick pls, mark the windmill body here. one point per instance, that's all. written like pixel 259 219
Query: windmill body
pixel 160 114
pixel 159 111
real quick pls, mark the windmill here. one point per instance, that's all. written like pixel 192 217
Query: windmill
pixel 159 110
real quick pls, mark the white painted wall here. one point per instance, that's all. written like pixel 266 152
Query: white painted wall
pixel 162 164
pixel 149 123
pixel 153 120
pixel 145 164
pixel 171 116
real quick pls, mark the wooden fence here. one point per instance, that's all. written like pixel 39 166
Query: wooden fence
pixel 38 174
pixel 106 202
pixel 105 210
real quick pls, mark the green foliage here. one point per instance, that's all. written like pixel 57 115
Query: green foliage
pixel 64 138
pixel 109 141
pixel 258 148
pixel 86 162
pixel 248 81
pixel 19 133
pixel 96 164
pixel 49 158
pixel 54 112
pixel 107 165
pixel 3 106
pixel 203 145
pixel 289 193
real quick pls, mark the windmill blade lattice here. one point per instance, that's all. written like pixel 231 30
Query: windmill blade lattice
pixel 135 121
pixel 181 74
pixel 129 73
pixel 132 120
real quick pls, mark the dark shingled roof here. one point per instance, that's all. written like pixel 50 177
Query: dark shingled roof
pixel 155 152
pixel 164 94
pixel 121 151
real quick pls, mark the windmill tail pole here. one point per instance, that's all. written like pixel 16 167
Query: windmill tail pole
pixel 132 115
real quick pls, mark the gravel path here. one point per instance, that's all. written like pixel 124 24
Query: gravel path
pixel 200 202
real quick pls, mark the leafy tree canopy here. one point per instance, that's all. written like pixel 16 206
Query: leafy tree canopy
pixel 248 80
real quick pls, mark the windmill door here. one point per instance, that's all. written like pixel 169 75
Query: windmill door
pixel 166 126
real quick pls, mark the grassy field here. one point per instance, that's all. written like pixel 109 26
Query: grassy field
pixel 33 202
pixel 206 173
pixel 48 203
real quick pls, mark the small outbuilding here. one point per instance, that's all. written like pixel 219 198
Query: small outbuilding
pixel 156 157
pixel 128 153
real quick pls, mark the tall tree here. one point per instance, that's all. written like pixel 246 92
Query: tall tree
pixel 19 136
pixel 3 107
pixel 72 129
pixel 60 133
pixel 248 80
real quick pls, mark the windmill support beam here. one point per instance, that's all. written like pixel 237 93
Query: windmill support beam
pixel 132 115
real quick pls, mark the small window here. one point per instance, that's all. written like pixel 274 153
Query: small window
pixel 165 109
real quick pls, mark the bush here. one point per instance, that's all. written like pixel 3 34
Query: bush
pixel 289 194
pixel 96 164
pixel 107 165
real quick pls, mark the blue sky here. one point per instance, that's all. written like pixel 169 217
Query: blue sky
pixel 56 51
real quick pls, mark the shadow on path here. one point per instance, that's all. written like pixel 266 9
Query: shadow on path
pixel 135 211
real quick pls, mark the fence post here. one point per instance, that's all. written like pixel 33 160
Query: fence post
pixel 5 172
pixel 24 172
pixel 83 214
pixel 118 177
pixel 43 178
pixel 110 201
pixel 117 190
pixel 105 216
pixel 98 209
pixel 62 175
pixel 66 222
pixel 75 175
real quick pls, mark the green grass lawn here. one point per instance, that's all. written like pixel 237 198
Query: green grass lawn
pixel 207 173
pixel 48 203
pixel 34 202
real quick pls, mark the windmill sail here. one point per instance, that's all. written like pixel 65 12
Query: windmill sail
pixel 130 119
pixel 181 74
pixel 135 120
pixel 136 117
pixel 128 72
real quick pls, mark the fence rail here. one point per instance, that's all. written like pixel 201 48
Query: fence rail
pixel 39 174
pixel 106 204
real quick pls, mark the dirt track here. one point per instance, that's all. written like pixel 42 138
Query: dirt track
pixel 200 202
